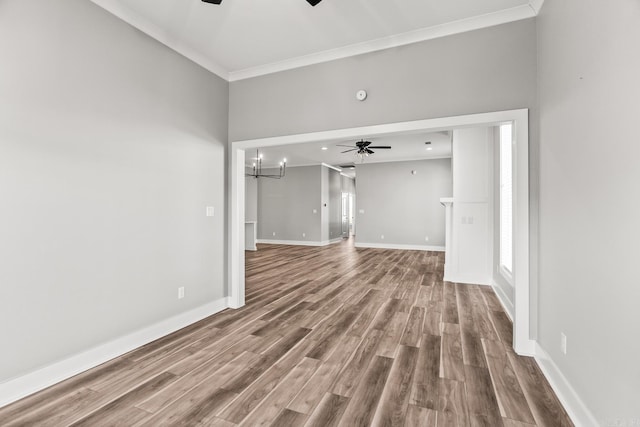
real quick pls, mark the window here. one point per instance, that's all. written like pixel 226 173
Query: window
pixel 506 199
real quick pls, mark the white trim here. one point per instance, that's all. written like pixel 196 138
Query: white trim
pixel 517 13
pixel 300 242
pixel 331 167
pixel 506 274
pixel 506 303
pixel 403 247
pixel 569 398
pixel 456 27
pixel 522 342
pixel 536 5
pixel 432 125
pixel 17 388
pixel 134 19
pixel 465 280
pixel 236 228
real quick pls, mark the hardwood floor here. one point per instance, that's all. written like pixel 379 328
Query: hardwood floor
pixel 332 336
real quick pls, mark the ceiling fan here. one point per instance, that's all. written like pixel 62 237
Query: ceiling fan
pixel 364 148
pixel 311 2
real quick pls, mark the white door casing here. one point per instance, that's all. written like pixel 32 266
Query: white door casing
pixel 523 344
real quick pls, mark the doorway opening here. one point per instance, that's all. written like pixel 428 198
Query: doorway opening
pixel 520 183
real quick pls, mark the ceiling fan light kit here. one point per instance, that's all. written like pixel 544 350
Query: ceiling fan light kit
pixel 363 148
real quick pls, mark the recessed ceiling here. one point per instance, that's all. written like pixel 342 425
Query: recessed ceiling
pixel 244 38
pixel 403 147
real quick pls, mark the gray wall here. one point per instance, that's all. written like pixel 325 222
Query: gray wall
pixel 250 198
pixel 285 206
pixel 111 147
pixel 405 208
pixel 487 70
pixel 589 207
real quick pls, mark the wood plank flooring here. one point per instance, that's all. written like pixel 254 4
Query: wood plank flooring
pixel 331 336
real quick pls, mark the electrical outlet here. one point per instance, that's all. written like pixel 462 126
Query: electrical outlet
pixel 210 211
pixel 274 233
pixel 426 239
pixel 315 211
pixel 563 343
pixel 304 234
pixel 181 292
pixel 382 237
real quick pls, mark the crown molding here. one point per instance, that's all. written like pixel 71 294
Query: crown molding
pixel 423 34
pixel 536 5
pixel 152 30
pixel 518 13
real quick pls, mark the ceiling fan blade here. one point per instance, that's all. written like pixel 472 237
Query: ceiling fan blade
pixel 313 2
pixel 368 151
pixel 379 146
pixel 353 149
pixel 365 143
pixel 213 1
pixel 341 145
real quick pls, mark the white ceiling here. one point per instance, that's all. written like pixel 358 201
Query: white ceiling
pixel 403 147
pixel 244 38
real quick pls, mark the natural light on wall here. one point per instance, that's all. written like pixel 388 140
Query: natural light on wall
pixel 506 199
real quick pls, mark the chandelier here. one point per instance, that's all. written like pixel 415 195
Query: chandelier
pixel 257 168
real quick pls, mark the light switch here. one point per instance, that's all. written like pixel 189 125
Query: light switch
pixel 315 211
pixel 361 211
pixel 210 211
pixel 470 220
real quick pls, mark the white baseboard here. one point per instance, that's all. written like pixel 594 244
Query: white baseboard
pixel 22 386
pixel 507 304
pixel 404 247
pixel 571 401
pixel 300 242
pixel 465 280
